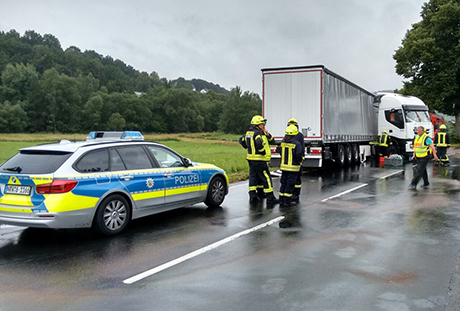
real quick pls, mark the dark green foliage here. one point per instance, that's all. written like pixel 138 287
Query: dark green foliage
pixel 238 111
pixel 45 88
pixel 197 85
pixel 429 57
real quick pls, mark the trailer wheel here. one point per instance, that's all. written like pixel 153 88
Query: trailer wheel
pixel 355 153
pixel 340 155
pixel 348 154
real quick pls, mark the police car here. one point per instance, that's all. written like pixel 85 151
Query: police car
pixel 103 183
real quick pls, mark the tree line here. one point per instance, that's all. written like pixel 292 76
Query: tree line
pixel 429 58
pixel 44 88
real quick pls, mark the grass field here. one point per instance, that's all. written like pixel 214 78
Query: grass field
pixel 217 148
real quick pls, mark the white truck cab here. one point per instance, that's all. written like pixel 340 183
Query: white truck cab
pixel 400 115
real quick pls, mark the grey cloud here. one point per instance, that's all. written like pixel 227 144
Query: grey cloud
pixel 228 42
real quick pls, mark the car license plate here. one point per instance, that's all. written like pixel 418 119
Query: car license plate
pixel 22 190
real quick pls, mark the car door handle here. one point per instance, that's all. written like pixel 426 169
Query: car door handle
pixel 127 177
pixel 168 175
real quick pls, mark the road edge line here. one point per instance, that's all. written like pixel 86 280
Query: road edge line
pixel 200 251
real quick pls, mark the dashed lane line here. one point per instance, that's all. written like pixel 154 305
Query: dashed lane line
pixel 389 175
pixel 360 186
pixel 344 192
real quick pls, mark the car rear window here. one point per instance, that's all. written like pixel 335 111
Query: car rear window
pixel 35 162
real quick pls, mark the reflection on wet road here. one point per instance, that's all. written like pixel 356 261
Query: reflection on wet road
pixel 358 240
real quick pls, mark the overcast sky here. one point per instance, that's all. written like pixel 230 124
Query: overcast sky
pixel 228 42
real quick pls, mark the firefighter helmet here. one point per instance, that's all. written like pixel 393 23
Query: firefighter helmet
pixel 442 127
pixel 293 121
pixel 256 120
pixel 292 130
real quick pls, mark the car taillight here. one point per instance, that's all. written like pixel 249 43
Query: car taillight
pixel 316 151
pixel 57 186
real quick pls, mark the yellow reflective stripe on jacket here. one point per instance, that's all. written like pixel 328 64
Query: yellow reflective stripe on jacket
pixel 287 157
pixel 253 153
pixel 268 153
pixel 420 148
pixel 383 140
pixel 441 141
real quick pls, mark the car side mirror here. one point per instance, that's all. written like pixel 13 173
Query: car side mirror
pixel 187 162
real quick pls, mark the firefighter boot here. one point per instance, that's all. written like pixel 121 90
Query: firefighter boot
pixel 261 194
pixel 295 199
pixel 281 199
pixel 271 199
pixel 253 198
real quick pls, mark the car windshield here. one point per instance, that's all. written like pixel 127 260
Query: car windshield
pixel 34 162
pixel 417 116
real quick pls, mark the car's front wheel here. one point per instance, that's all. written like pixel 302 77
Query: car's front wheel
pixel 216 192
pixel 112 216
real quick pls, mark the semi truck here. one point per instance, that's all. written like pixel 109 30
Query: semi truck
pixel 339 119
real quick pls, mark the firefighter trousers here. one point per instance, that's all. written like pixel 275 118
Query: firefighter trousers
pixel 288 183
pixel 298 182
pixel 442 155
pixel 259 174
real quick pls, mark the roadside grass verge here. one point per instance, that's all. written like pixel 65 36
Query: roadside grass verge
pixel 217 148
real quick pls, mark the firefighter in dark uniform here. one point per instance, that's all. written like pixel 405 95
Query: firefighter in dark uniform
pixel 384 144
pixel 291 163
pixel 256 141
pixel 267 140
pixel 301 139
pixel 442 142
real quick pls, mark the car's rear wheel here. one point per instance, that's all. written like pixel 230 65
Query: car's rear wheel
pixel 112 216
pixel 216 192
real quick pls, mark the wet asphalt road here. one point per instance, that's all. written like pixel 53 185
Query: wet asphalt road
pixel 377 247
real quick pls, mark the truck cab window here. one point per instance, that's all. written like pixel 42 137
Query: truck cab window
pixel 416 116
pixel 395 117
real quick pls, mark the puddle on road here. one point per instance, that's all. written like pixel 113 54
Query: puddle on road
pixel 423 220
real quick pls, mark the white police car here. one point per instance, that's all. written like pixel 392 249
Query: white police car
pixel 102 183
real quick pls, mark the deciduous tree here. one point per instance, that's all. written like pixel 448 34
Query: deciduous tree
pixel 429 57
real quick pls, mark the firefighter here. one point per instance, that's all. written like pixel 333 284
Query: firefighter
pixel 291 163
pixel 442 142
pixel 258 154
pixel 267 140
pixel 300 138
pixel 384 143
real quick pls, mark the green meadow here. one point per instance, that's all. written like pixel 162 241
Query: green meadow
pixel 217 148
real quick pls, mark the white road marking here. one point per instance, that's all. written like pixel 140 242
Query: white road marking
pixel 200 251
pixel 398 172
pixel 7 226
pixel 345 192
